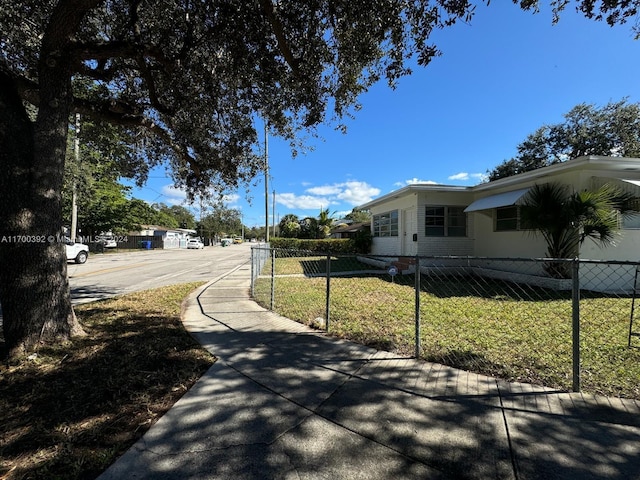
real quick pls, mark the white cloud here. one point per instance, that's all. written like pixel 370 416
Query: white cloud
pixel 465 177
pixel 173 195
pixel 459 176
pixel 304 202
pixel 178 196
pixel 356 193
pixel 230 199
pixel 325 190
pixel 351 192
pixel 342 213
pixel 415 180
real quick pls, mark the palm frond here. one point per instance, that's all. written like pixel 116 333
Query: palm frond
pixel 566 219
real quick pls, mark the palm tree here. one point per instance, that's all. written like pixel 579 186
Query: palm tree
pixel 325 222
pixel 566 219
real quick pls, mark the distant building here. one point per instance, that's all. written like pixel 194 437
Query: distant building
pixel 349 231
pixel 171 237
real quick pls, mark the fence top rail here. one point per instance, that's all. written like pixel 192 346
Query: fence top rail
pixel 452 257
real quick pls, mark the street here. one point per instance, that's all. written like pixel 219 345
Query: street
pixel 106 275
pixel 115 273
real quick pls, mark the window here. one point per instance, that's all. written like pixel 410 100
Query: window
pixel 631 221
pixel 386 224
pixel 507 218
pixel 445 221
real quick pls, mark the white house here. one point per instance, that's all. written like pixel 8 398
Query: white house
pixel 483 220
pixel 171 237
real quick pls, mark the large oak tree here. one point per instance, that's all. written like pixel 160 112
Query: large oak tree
pixel 184 80
pixel 611 130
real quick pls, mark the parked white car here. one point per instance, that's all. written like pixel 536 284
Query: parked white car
pixel 107 241
pixel 195 243
pixel 77 252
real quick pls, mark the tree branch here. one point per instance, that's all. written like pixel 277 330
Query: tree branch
pixel 283 45
pixel 119 113
pixel 104 51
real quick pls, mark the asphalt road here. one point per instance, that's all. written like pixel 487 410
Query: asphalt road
pixel 115 273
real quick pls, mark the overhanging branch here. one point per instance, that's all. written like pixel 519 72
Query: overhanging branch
pixel 278 30
pixel 118 113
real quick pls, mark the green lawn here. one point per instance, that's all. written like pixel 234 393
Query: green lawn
pixel 488 327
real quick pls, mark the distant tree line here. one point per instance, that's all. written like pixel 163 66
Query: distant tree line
pixel 291 226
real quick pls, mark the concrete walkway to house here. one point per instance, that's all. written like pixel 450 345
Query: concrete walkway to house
pixel 284 401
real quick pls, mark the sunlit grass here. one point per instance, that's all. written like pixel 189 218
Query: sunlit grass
pixel 489 329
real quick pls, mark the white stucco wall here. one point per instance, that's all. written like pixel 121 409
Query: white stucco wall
pixel 415 204
pixel 627 247
pixel 489 243
pixel 393 245
pixel 437 246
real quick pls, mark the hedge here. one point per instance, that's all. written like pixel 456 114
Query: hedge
pixel 329 245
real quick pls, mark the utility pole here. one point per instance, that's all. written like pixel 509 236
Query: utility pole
pixel 266 183
pixel 74 196
pixel 273 214
pixel 201 217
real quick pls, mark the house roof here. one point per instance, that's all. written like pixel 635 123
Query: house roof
pixel 618 167
pixel 498 200
pixel 414 188
pixel 354 227
pixel 621 168
pixel 160 228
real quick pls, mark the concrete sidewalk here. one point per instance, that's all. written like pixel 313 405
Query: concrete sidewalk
pixel 284 401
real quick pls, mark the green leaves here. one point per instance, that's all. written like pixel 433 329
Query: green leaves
pixel 566 219
pixel 611 130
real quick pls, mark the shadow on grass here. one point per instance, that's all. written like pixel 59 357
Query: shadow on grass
pixel 70 410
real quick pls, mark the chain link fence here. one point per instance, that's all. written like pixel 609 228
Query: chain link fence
pixel 565 324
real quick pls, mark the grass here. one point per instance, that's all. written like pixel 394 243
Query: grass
pixel 315 265
pixel 491 327
pixel 70 410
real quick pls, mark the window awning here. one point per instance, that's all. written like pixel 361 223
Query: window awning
pixel 499 200
pixel 632 182
pixel 633 185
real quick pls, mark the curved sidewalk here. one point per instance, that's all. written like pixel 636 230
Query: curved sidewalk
pixel 284 401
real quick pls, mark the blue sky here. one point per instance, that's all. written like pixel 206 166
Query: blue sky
pixel 498 80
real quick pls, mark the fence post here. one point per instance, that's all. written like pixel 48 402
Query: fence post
pixel 328 295
pixel 417 303
pixel 575 321
pixel 253 269
pixel 273 277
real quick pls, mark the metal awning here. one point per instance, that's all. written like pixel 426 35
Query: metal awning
pixel 632 182
pixel 631 185
pixel 499 200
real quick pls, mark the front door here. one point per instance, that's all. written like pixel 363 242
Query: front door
pixel 409 228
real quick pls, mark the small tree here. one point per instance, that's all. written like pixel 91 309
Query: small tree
pixel 358 216
pixel 566 219
pixel 289 226
pixel 325 222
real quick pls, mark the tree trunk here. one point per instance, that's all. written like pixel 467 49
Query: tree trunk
pixel 34 287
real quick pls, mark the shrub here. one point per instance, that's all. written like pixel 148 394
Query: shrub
pixel 328 245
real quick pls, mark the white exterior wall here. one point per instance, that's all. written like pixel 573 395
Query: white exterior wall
pixel 489 243
pixel 483 241
pixel 517 244
pixel 392 245
pixel 627 247
pixel 438 246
